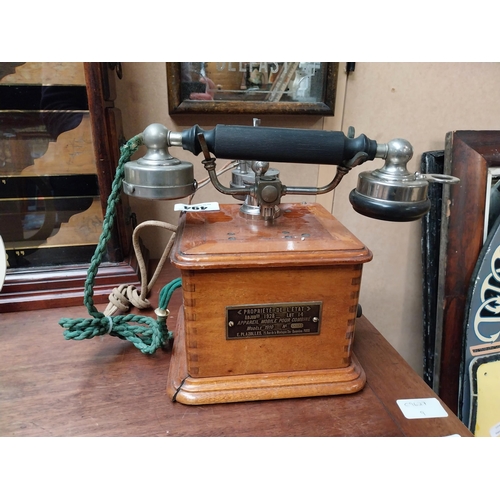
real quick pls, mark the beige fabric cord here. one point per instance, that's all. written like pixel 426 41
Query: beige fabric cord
pixel 123 296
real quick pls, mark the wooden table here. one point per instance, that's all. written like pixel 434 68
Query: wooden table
pixel 50 386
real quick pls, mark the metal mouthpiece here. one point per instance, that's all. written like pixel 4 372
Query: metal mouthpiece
pixel 158 175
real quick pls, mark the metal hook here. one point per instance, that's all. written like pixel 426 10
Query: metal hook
pixel 204 147
pixel 439 178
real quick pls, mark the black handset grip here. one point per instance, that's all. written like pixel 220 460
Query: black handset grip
pixel 285 145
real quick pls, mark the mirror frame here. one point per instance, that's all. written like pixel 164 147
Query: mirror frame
pixel 324 108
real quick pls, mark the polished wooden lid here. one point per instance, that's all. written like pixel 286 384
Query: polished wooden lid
pixel 306 234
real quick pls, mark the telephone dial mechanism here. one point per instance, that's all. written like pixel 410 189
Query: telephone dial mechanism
pixel 390 193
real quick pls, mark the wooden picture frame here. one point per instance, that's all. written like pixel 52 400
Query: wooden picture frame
pixel 468 156
pixel 325 107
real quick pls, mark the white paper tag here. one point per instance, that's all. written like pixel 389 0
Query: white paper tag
pixel 200 207
pixel 495 430
pixel 421 408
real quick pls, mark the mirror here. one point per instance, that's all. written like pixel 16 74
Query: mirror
pixel 302 88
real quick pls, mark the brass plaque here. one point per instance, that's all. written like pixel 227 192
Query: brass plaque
pixel 273 320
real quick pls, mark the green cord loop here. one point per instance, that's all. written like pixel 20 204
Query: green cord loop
pixel 146 338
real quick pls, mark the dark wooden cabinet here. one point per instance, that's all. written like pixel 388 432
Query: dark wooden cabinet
pixel 48 176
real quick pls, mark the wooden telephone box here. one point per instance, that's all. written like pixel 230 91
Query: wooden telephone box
pixel 269 309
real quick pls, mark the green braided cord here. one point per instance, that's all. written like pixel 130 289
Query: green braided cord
pixel 167 291
pixel 146 338
pixel 127 150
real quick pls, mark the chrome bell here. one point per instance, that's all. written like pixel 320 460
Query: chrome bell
pixel 392 193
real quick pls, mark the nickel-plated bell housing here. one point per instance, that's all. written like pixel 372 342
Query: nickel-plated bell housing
pixel 392 193
pixel 158 175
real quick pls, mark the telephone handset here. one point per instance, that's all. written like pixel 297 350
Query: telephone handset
pixel 289 329
pixel 389 193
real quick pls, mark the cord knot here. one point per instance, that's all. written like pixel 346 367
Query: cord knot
pixel 123 296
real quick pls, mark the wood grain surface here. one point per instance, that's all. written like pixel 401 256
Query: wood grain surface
pixel 50 386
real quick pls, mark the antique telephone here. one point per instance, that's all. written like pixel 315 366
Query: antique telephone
pixel 270 290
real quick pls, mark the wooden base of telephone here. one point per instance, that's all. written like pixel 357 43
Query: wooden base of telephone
pixel 269 308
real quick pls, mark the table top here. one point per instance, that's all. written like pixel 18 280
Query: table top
pixel 105 386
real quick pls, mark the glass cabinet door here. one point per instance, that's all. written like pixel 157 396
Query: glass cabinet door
pixel 52 197
pixel 50 211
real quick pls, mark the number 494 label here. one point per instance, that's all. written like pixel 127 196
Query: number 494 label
pixel 421 408
pixel 200 207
